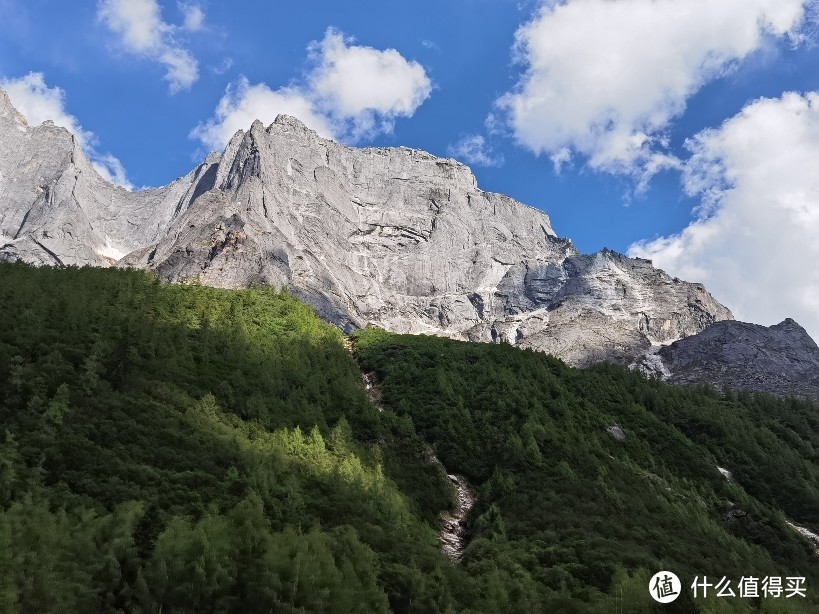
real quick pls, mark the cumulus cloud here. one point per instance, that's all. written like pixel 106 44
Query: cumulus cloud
pixel 366 86
pixel 754 241
pixel 473 149
pixel 349 92
pixel 37 103
pixel 143 32
pixel 604 78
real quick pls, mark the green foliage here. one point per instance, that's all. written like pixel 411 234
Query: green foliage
pixel 182 448
pixel 188 449
pixel 568 512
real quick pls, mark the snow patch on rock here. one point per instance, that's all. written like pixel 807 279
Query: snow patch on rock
pixel 110 252
pixel 807 533
pixel 726 474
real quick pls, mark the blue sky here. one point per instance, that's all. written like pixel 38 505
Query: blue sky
pixel 582 108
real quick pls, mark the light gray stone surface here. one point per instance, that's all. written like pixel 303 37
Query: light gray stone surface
pixel 395 237
pixel 616 431
pixel 56 209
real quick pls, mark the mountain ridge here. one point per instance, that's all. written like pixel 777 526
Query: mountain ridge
pixel 415 231
pixel 393 237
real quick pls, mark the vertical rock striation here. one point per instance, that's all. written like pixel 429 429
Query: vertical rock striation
pixel 56 209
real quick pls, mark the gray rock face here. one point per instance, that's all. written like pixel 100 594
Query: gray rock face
pixel 56 209
pixel 405 240
pixel 394 237
pixel 781 359
pixel 601 307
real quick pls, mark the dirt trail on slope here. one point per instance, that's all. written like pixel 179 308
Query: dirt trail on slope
pixel 453 530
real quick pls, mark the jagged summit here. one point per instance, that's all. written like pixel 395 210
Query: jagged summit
pixel 391 236
pixel 56 209
pixel 292 123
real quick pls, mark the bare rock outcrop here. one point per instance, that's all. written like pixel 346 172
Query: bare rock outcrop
pixel 781 359
pixel 404 240
pixel 453 536
pixel 56 209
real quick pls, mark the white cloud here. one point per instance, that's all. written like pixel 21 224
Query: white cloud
pixel 350 92
pixel 138 21
pixel 369 87
pixel 473 149
pixel 561 158
pixel 38 103
pixel 143 32
pixel 181 68
pixel 110 168
pixel 754 243
pixel 604 78
pixel 194 17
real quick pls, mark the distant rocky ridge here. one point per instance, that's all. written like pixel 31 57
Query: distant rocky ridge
pixel 781 359
pixel 56 209
pixel 390 236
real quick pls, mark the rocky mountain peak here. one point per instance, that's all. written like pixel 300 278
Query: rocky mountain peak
pixel 288 123
pixel 791 326
pixel 56 209
pixel 9 113
pixel 395 237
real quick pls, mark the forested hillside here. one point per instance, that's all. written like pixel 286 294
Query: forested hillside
pixel 185 449
pixel 198 450
pixel 565 507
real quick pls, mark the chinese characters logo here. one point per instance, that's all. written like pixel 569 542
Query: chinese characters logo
pixel 664 587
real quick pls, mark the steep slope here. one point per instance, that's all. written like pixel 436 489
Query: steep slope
pixel 394 237
pixel 581 472
pixel 189 449
pixel 591 308
pixel 781 359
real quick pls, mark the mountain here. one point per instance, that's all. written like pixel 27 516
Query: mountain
pixel 178 447
pixel 182 448
pixel 781 359
pixel 55 208
pixel 393 237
